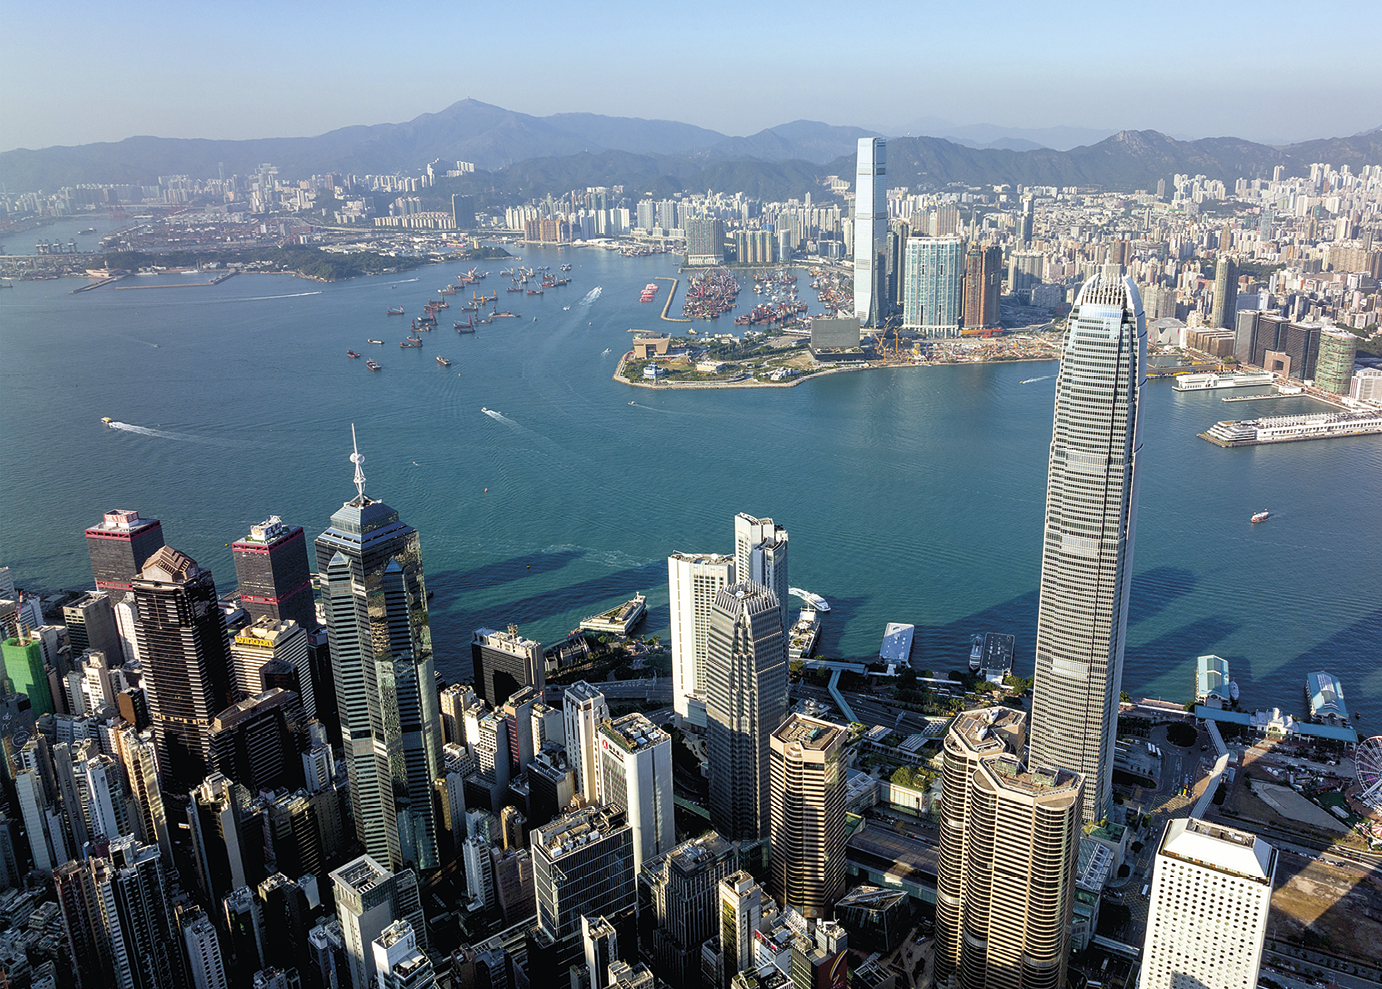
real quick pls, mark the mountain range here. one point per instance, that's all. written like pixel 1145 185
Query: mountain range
pixel 517 154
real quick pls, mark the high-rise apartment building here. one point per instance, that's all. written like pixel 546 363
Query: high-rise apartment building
pixel 264 641
pixel 368 899
pixel 1334 367
pixel 273 573
pixel 132 889
pixel 983 286
pixel 1207 921
pixel 934 277
pixel 1091 518
pixel 705 241
pixel 582 865
pixel 808 815
pixel 1225 294
pixel 503 662
pixel 760 555
pixel 119 547
pixel 741 914
pixel 584 710
pixel 1025 270
pixel 1010 839
pixel 182 644
pixel 199 938
pixel 693 580
pixel 746 699
pixel 870 232
pixel 375 602
pixel 636 776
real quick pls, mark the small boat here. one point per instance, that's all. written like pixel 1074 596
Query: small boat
pixel 380 342
pixel 413 339
pixel 405 344
pixel 1261 516
pixel 976 652
pixel 443 362
pixel 351 353
pixel 108 421
pixel 395 311
pixel 630 403
pixel 565 308
pixel 372 366
pixel 566 267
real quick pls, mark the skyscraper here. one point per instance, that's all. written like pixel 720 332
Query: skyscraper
pixel 1334 366
pixel 741 913
pixel 584 710
pixel 182 643
pixel 133 891
pixel 119 546
pixel 678 905
pixel 983 285
pixel 935 273
pixel 1009 843
pixel 273 573
pixel 636 776
pixel 746 699
pixel 1225 294
pixel 368 899
pixel 253 741
pixel 870 232
pixel 808 815
pixel 398 963
pixel 693 580
pixel 375 601
pixel 268 639
pixel 1091 517
pixel 760 555
pixel 582 864
pixel 705 241
pixel 1207 921
pixel 503 662
pixel 90 622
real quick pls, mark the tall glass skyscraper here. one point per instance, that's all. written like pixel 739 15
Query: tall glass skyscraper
pixel 934 271
pixel 1091 516
pixel 871 231
pixel 381 650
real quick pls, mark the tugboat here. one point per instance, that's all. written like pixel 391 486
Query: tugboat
pixel 372 366
pixel 351 353
pixel 395 311
pixel 443 362
pixel 1261 517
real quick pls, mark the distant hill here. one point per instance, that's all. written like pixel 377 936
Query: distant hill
pixel 522 155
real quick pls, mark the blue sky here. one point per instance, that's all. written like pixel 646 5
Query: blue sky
pixel 83 71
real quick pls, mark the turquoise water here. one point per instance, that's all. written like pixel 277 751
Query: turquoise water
pixel 911 495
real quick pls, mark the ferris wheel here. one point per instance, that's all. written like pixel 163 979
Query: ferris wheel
pixel 1368 759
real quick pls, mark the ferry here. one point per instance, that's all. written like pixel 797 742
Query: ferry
pixel 506 315
pixel 814 600
pixel 351 353
pixel 1261 517
pixel 976 652
pixel 395 311
pixel 617 621
pixel 443 362
pixel 380 342
pixel 372 366
pixel 649 291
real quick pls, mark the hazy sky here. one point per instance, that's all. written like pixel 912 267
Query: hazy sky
pixel 84 71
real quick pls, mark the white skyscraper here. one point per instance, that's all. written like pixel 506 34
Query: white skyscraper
pixel 1211 892
pixel 636 775
pixel 693 580
pixel 584 710
pixel 870 232
pixel 203 952
pixel 398 963
pixel 760 555
pixel 1091 517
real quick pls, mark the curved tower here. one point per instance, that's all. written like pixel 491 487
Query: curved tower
pixel 1091 515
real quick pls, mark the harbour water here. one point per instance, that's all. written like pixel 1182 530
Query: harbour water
pixel 911 495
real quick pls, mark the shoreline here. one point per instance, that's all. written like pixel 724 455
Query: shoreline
pixel 802 379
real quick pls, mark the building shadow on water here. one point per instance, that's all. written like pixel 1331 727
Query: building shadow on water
pixel 1152 590
pixel 448 585
pixel 833 623
pixel 1167 663
pixel 1354 655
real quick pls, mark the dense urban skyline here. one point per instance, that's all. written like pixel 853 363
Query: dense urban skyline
pixel 221 80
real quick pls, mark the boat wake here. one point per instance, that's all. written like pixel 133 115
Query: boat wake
pixel 164 434
pixel 606 353
pixel 1030 381
pixel 405 281
pixel 499 417
pixel 261 298
pixel 591 296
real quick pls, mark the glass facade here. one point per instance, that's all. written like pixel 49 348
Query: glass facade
pixel 931 286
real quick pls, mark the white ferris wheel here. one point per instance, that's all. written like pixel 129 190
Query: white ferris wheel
pixel 1368 759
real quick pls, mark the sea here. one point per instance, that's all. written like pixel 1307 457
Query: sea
pixel 910 494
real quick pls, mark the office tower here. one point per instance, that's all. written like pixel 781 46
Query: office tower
pixel 398 963
pixel 584 709
pixel 705 241
pixel 741 913
pixel 551 788
pixel 1334 366
pixel 479 873
pixel 1207 920
pixel 601 943
pixel 818 959
pixel 1025 224
pixel 24 668
pixel 870 233
pixel 760 556
pixel 204 961
pixel 81 921
pixel 139 753
pixel 983 284
pixel 182 645
pixel 899 231
pixel 935 274
pixel 693 580
pixel 512 870
pixel 746 698
pixel 1245 335
pixel 218 848
pixel 132 889
pixel 286 915
pixel 274 577
pixel 291 822
pixel 636 776
pixel 119 548
pixel 808 815
pixel 90 622
pixel 244 950
pixel 678 905
pixel 503 662
pixel 327 964
pixel 517 712
pixel 455 701
pixel 582 864
pixel 268 640
pixel 1009 842
pixel 512 828
pixel 375 602
pixel 368 899
pixel 1091 518
pixel 254 742
pixel 1225 293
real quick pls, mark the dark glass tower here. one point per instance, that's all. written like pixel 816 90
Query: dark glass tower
pixel 182 643
pixel 119 547
pixel 375 601
pixel 273 573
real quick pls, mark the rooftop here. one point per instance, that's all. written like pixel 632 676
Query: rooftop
pixel 1215 846
pixel 634 732
pixel 991 729
pixel 810 733
pixel 362 874
pixel 1012 774
pixel 577 829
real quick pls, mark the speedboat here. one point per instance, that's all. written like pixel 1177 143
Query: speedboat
pixel 108 421
pixel 351 353
pixel 1261 516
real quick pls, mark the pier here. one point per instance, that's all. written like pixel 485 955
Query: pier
pixel 671 294
pixel 1287 429
pixel 215 281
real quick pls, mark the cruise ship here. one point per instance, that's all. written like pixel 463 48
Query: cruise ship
pixel 801 640
pixel 1229 379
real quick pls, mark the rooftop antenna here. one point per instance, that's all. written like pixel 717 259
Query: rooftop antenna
pixel 357 460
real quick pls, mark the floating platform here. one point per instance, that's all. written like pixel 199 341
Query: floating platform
pixel 620 620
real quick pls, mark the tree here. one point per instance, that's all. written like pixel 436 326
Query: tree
pixel 903 776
